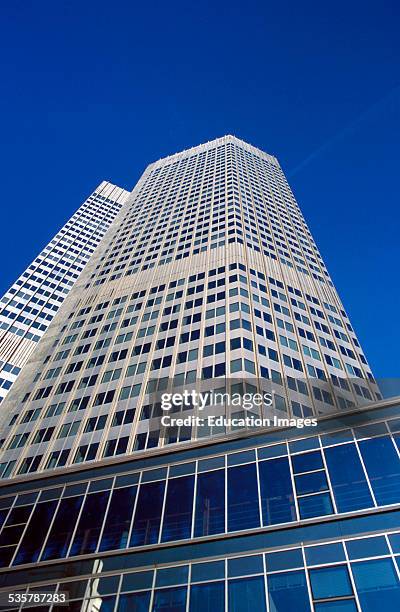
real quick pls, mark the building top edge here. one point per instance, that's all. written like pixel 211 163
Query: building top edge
pixel 228 138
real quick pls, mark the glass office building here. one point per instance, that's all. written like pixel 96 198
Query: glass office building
pixel 208 281
pixel 29 305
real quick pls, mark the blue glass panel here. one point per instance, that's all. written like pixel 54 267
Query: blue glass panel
pixel 210 503
pixel 116 528
pixel 367 547
pixel 243 457
pixel 370 430
pixel 307 462
pixel 330 582
pixel 315 505
pixel 211 464
pixel 345 435
pixel 157 474
pixel 146 525
pixel 305 444
pixel 137 581
pixel 207 597
pixel 170 600
pixel 341 605
pixel 172 575
pixel 100 485
pixel 277 498
pixel 243 511
pixel 63 528
pixel 178 509
pixel 244 566
pixel 311 483
pixel 246 595
pixel 383 467
pixel 326 553
pixel 377 585
pixel 286 559
pixel 272 451
pixel 288 591
pixel 134 602
pixel 349 484
pixel 90 522
pixel 207 571
pixel 182 468
pixel 33 539
pixel 395 542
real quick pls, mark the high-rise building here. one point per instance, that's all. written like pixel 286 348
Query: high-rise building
pixel 199 428
pixel 29 305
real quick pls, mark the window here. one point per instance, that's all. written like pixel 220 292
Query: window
pixel 147 519
pixel 377 585
pixel 288 591
pixel 208 597
pixel 277 497
pixel 248 595
pixel 170 600
pixel 90 522
pixel 32 541
pixel 347 477
pixel 243 512
pixel 178 509
pixel 62 529
pixel 329 582
pixel 210 503
pixel 116 528
pixel 383 467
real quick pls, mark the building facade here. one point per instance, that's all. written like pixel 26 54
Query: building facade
pixel 29 305
pixel 123 490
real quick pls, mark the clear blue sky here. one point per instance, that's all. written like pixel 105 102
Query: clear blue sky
pixel 96 90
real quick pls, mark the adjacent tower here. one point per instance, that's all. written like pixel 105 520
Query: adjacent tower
pixel 28 307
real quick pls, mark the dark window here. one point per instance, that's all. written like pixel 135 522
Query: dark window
pixel 207 597
pixel 33 539
pixel 178 509
pixel 248 595
pixel 116 529
pixel 243 511
pixel 277 498
pixel 134 602
pixel 170 600
pixel 90 522
pixel 210 503
pixel 307 462
pixel 63 528
pixel 147 521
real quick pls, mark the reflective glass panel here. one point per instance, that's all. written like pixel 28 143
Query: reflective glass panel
pixel 243 510
pixel 210 503
pixel 178 509
pixel 277 497
pixel 347 477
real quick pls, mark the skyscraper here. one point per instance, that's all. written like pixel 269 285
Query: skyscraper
pixel 29 305
pixel 126 480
